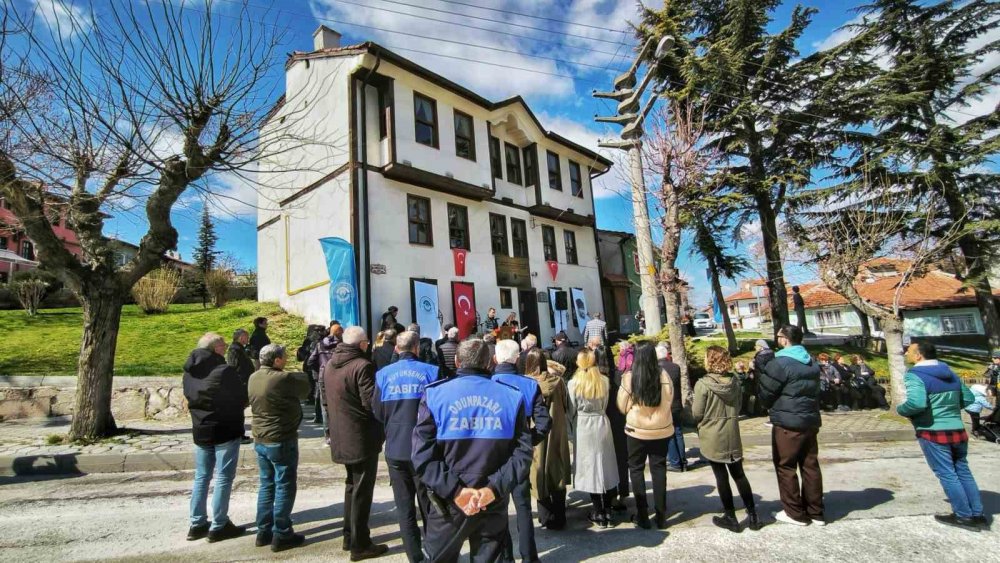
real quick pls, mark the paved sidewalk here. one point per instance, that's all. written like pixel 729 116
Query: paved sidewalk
pixel 151 445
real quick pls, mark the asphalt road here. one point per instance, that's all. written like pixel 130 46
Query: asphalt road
pixel 879 499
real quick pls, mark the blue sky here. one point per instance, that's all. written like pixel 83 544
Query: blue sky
pixel 587 40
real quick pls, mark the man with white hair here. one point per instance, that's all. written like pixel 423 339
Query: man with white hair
pixel 398 390
pixel 446 353
pixel 355 436
pixel 528 343
pixel 506 356
pixel 216 398
pixel 596 328
pixel 275 396
pixel 676 449
pixel 471 446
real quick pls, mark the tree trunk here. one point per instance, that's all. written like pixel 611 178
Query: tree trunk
pixel 102 310
pixel 727 325
pixel 866 329
pixel 677 349
pixel 976 274
pixel 777 295
pixel 893 329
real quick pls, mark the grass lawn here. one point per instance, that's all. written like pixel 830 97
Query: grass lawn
pixel 49 343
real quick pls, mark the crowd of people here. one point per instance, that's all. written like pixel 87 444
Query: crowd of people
pixel 468 427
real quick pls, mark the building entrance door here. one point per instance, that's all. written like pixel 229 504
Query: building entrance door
pixel 527 311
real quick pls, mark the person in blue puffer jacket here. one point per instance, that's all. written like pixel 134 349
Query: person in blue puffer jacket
pixel 399 387
pixel 471 446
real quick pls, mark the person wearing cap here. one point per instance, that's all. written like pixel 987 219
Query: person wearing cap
pixel 564 354
pixel 389 319
pixel 992 374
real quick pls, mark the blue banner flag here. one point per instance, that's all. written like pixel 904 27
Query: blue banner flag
pixel 717 310
pixel 343 281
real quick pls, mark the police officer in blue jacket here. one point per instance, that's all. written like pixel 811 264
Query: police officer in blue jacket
pixel 399 387
pixel 507 352
pixel 471 446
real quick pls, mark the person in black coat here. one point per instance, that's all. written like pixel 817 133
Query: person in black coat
pixel 258 339
pixel 564 354
pixel 382 355
pixel 238 356
pixel 790 389
pixel 356 436
pixel 216 399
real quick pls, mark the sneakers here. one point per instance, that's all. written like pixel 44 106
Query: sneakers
pixel 767 424
pixel 263 539
pixel 281 544
pixel 970 524
pixel 370 552
pixel 982 521
pixel 226 532
pixel 753 521
pixel 197 532
pixel 786 519
pixel 675 468
pixel 597 518
pixel 819 522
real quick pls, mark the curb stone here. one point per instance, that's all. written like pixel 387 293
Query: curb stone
pixel 111 462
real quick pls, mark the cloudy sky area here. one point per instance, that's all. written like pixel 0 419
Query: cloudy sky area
pixel 554 53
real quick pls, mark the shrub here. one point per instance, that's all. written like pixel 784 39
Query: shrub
pixel 30 293
pixel 218 282
pixel 156 290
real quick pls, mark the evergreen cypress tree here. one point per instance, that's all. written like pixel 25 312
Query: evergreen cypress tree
pixel 205 253
pixel 925 66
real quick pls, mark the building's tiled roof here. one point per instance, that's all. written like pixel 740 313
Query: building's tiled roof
pixel 936 289
pixel 739 295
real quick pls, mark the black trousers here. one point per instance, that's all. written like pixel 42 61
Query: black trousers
pixel 656 452
pixel 552 509
pixel 486 531
pixel 723 471
pixel 521 497
pixel 602 503
pixel 407 487
pixel 358 492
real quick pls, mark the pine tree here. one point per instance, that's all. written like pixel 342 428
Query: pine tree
pixel 763 105
pixel 205 253
pixel 924 66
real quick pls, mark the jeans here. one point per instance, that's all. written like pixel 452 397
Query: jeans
pixel 676 450
pixel 410 496
pixel 949 464
pixel 278 465
pixel 656 451
pixel 222 459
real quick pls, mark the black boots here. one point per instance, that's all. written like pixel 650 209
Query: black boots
pixel 753 522
pixel 727 521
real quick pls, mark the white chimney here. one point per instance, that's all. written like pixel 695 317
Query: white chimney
pixel 325 38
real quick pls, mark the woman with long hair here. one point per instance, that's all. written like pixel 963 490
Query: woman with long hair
pixel 596 470
pixel 645 398
pixel 716 411
pixel 550 465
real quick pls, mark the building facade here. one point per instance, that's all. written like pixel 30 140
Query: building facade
pixel 17 251
pixel 418 174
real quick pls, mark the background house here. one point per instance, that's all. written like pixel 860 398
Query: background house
pixel 749 305
pixel 17 251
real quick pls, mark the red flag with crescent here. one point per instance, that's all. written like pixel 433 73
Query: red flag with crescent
pixel 459 255
pixel 553 268
pixel 464 296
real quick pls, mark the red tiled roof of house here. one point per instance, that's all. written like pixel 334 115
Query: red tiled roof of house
pixel 739 295
pixel 935 290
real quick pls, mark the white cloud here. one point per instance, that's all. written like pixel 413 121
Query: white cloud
pixel 63 18
pixel 840 35
pixel 494 82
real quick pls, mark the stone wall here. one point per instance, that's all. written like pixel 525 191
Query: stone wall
pixel 131 399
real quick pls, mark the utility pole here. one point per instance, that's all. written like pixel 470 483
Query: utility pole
pixel 629 115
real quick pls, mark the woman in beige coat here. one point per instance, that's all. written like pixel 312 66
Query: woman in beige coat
pixel 550 465
pixel 644 398
pixel 716 411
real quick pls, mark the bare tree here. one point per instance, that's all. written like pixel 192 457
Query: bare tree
pixel 875 224
pixel 676 154
pixel 127 106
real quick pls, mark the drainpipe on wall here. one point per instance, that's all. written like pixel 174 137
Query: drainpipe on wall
pixel 363 189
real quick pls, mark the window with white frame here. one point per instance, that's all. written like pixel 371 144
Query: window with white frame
pixel 958 324
pixel 829 318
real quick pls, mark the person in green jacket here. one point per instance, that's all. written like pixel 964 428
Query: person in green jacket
pixel 935 397
pixel 716 411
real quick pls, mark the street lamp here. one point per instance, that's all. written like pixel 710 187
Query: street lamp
pixel 631 118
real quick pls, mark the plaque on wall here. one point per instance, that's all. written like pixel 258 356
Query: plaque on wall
pixel 512 271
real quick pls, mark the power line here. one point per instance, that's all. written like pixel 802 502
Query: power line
pixel 511 12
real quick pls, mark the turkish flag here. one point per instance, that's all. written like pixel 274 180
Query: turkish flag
pixel 464 301
pixel 459 255
pixel 553 268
